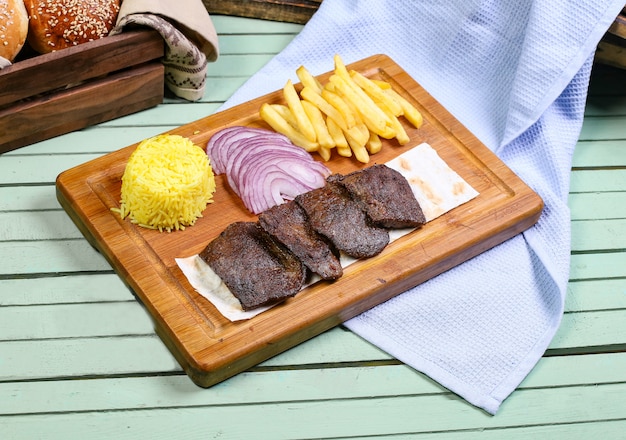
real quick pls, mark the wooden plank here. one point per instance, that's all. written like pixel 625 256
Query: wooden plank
pixel 332 419
pixel 586 332
pixel 147 355
pixel 253 43
pixel 602 180
pixel 596 154
pixel 190 324
pixel 168 115
pixel 604 128
pixel 37 225
pixel 67 289
pixel 599 235
pixel 612 48
pixel 93 141
pixel 58 321
pixel 233 25
pixel 78 107
pixel 84 357
pixel 595 206
pixel 18 169
pixel 611 51
pixel 144 353
pixel 610 265
pixel 293 11
pixel 60 69
pixel 27 198
pixel 242 65
pixel 595 295
pixel 46 257
pixel 307 384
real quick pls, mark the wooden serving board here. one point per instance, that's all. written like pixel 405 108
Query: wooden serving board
pixel 209 347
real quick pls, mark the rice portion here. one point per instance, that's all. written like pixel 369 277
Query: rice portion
pixel 167 183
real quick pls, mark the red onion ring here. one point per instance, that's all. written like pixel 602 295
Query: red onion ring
pixel 263 167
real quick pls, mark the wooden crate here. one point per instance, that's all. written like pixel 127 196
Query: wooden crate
pixel 48 95
pixel 612 48
pixel 290 11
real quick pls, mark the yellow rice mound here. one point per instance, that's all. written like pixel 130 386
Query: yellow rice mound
pixel 167 183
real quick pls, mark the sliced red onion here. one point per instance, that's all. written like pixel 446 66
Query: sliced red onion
pixel 263 167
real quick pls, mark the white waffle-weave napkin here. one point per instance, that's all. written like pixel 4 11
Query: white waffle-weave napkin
pixel 516 74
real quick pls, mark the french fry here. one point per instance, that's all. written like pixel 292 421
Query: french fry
pixel 279 124
pixel 341 144
pixel 286 114
pixel 374 144
pixel 412 114
pixel 324 139
pixel 359 133
pixel 382 84
pixel 349 112
pixel 341 106
pixel 359 150
pixel 308 80
pixel 376 93
pixel 340 68
pixel 324 106
pixel 401 135
pixel 295 105
pixel 375 119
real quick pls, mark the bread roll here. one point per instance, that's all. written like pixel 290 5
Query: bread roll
pixel 13 28
pixel 58 24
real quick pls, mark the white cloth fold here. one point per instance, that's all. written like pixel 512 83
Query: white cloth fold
pixel 190 38
pixel 516 74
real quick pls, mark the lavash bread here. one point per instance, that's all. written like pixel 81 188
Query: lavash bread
pixel 59 24
pixel 13 28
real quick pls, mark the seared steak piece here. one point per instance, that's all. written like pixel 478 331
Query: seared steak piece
pixel 332 213
pixel 288 224
pixel 257 269
pixel 385 195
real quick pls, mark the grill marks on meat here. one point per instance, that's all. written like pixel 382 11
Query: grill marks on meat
pixel 266 262
pixel 334 214
pixel 385 195
pixel 257 269
pixel 288 224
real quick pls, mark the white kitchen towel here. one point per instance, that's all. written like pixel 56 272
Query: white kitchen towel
pixel 516 74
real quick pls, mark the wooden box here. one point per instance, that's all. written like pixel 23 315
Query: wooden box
pixel 51 94
pixel 290 11
pixel 612 48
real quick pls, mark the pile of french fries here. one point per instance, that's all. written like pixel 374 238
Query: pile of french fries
pixel 350 113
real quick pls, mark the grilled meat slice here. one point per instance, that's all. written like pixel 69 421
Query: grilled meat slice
pixel 335 215
pixel 385 195
pixel 288 224
pixel 257 269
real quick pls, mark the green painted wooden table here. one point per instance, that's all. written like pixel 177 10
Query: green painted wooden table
pixel 79 357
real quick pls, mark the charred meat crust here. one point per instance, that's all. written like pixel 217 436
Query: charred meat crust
pixel 256 268
pixel 385 195
pixel 289 224
pixel 335 215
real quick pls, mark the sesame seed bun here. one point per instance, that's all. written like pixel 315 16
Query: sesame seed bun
pixel 13 28
pixel 58 24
